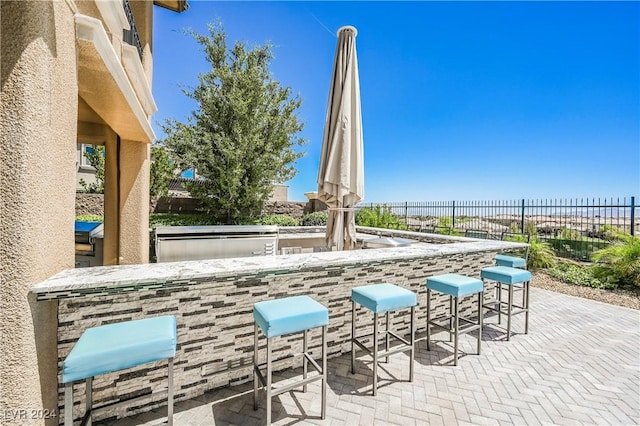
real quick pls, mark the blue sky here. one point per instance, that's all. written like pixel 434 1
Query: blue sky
pixel 460 100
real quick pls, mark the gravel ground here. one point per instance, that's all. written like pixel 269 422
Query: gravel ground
pixel 629 299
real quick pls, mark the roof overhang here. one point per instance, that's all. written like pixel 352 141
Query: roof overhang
pixel 104 85
pixel 175 5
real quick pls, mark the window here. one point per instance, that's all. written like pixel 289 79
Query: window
pixel 82 160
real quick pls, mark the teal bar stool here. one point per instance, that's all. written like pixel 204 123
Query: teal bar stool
pixel 510 261
pixel 512 278
pixel 456 287
pixel 379 299
pixel 287 316
pixel 513 261
pixel 116 347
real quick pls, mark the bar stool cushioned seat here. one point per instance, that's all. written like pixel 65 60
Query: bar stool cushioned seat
pixel 114 347
pixel 286 316
pixel 382 298
pixel 455 286
pixel 510 261
pixel 289 315
pixel 512 277
pixel 505 274
pixel 119 346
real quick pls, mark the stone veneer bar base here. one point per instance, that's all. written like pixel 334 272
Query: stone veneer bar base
pixel 212 302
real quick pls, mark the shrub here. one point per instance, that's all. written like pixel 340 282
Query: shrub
pixel 314 219
pixel 278 219
pixel 514 228
pixel 570 234
pixel 581 248
pixel 531 228
pixel 619 264
pixel 173 219
pixel 379 217
pixel 572 273
pixel 613 233
pixel 445 226
pixel 540 255
pixel 445 222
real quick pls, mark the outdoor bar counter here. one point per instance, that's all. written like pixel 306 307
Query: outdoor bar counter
pixel 213 302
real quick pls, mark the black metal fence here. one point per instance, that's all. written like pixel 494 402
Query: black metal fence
pixel 575 228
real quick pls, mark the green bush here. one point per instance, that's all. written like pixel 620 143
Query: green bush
pixel 445 226
pixel 541 255
pixel 181 219
pixel 582 248
pixel 277 219
pixel 531 228
pixel 619 264
pixel 577 275
pixel 613 233
pixel 570 234
pixel 314 219
pixel 379 217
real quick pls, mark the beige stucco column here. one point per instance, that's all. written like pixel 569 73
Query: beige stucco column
pixel 134 202
pixel 126 201
pixel 37 193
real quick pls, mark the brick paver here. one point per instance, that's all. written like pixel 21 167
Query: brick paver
pixel 579 364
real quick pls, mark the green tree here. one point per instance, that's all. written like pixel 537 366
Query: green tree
pixel 242 135
pixel 161 171
pixel 95 157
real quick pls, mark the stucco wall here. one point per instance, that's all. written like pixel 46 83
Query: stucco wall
pixel 38 155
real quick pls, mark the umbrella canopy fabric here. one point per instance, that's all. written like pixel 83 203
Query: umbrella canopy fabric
pixel 341 174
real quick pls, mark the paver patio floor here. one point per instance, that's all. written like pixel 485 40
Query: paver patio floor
pixel 579 364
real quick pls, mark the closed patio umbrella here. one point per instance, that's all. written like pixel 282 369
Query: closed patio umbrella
pixel 341 174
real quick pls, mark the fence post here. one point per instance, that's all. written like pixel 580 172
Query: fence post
pixel 453 215
pixel 406 212
pixel 522 217
pixel 633 216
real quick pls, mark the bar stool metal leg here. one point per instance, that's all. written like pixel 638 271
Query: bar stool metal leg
pixel 455 333
pixel 255 366
pixel 428 319
pixel 412 354
pixel 450 317
pixel 509 309
pixel 304 358
pixel 68 404
pixel 89 400
pixel 170 393
pixel 375 354
pixel 480 309
pixel 269 381
pixel 323 412
pixel 353 336
pixel 386 346
pixel 499 297
pixel 526 305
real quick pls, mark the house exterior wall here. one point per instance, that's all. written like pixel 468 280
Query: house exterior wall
pixel 67 77
pixel 38 155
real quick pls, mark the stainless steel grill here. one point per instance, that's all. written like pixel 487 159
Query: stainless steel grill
pixel 89 237
pixel 178 243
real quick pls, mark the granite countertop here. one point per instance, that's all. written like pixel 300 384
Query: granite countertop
pixel 126 276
